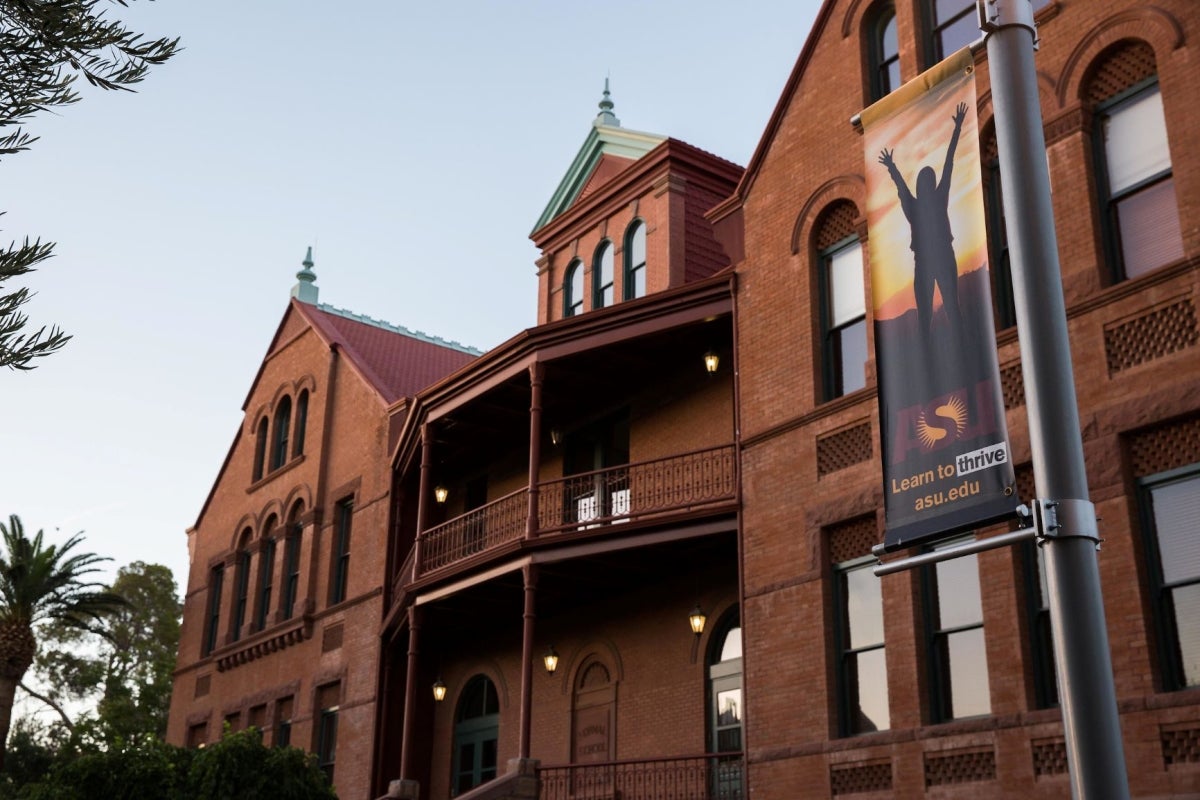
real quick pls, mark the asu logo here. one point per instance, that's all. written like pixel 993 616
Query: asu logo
pixel 960 415
pixel 946 424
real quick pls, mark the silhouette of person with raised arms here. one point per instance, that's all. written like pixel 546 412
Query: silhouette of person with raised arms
pixel 932 240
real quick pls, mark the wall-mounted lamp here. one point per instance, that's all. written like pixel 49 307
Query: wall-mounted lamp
pixel 440 493
pixel 696 619
pixel 439 691
pixel 555 437
pixel 711 361
pixel 550 660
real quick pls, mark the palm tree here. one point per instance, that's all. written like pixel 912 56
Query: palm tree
pixel 40 583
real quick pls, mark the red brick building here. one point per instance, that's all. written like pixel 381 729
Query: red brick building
pixel 693 425
pixel 281 616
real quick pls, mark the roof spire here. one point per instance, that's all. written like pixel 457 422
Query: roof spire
pixel 305 289
pixel 606 115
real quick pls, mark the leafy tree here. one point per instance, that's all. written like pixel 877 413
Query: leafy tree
pixel 40 583
pixel 125 668
pixel 46 47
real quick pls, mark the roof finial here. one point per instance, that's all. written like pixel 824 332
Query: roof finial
pixel 606 115
pixel 305 289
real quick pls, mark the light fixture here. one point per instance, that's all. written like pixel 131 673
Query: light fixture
pixel 439 691
pixel 696 620
pixel 711 361
pixel 440 493
pixel 550 660
pixel 555 436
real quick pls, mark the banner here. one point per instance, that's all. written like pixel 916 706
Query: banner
pixel 946 460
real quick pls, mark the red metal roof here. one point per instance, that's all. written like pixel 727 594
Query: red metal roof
pixel 397 362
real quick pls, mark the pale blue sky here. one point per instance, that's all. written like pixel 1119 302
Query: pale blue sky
pixel 413 145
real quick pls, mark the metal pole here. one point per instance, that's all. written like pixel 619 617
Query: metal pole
pixel 1085 682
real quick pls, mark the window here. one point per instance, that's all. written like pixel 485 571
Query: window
pixel 997 233
pixel 325 747
pixel 242 585
pixel 291 561
pixel 602 276
pixel 260 448
pixel 266 577
pixel 283 722
pixel 1170 506
pixel 844 317
pixel 216 583
pixel 476 735
pixel 862 668
pixel 342 515
pixel 957 660
pixel 197 735
pixel 255 719
pixel 885 52
pixel 233 723
pixel 726 710
pixel 954 25
pixel 283 420
pixel 1041 643
pixel 1140 215
pixel 573 289
pixel 634 279
pixel 301 423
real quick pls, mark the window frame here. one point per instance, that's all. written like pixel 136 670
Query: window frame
pixel 878 59
pixel 216 585
pixel 266 581
pixel 604 261
pixel 279 439
pixel 476 730
pixel 326 745
pixel 260 449
pixel 301 424
pixel 241 594
pixel 999 258
pixel 1041 642
pixel 845 652
pixel 1171 674
pixel 285 709
pixel 343 519
pixel 572 305
pixel 833 378
pixel 633 271
pixel 941 686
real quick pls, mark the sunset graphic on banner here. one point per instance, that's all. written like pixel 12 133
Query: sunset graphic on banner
pixel 944 440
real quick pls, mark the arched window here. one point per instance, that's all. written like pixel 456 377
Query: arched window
pixel 241 593
pixel 725 706
pixel 634 279
pixel 885 51
pixel 476 734
pixel 843 301
pixel 1139 214
pixel 301 423
pixel 260 448
pixel 602 276
pixel 283 421
pixel 266 573
pixel 953 25
pixel 573 289
pixel 291 562
pixel 216 584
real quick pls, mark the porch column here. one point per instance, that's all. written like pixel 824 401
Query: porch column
pixel 529 572
pixel 410 695
pixel 422 494
pixel 536 374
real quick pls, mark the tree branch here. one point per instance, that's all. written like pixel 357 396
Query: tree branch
pixel 62 714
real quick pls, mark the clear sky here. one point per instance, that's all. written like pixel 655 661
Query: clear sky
pixel 413 145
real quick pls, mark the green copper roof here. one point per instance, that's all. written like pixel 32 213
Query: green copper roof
pixel 606 137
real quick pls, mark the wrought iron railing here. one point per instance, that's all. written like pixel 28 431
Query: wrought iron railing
pixel 707 777
pixel 481 529
pixel 678 483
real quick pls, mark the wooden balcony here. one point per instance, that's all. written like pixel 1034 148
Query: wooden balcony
pixel 707 777
pixel 628 493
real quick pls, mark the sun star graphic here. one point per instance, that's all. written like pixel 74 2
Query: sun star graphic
pixel 954 410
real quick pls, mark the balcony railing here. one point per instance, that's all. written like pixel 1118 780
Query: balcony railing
pixel 708 777
pixel 644 490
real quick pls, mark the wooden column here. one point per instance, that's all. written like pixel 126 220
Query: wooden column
pixel 410 694
pixel 529 571
pixel 422 494
pixel 536 374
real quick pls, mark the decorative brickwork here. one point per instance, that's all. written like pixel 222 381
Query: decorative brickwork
pixel 1127 64
pixel 1163 331
pixel 331 637
pixel 844 448
pixel 852 539
pixel 861 778
pixel 1012 385
pixel 1049 758
pixel 961 766
pixel 203 685
pixel 1181 744
pixel 1165 447
pixel 1026 490
pixel 836 224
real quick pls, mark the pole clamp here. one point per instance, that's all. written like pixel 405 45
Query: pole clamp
pixel 996 14
pixel 1065 519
